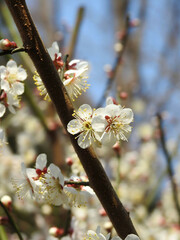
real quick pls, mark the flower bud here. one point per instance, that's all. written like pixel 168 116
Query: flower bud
pixel 102 212
pixel 5 44
pixel 135 22
pixel 56 232
pixel 69 161
pixel 7 201
pixel 108 226
pixel 123 95
pixel 116 147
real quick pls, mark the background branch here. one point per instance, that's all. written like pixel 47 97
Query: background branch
pixel 169 166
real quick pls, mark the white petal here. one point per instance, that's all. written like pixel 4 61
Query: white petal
pixel 56 173
pixel 127 115
pixel 85 111
pixel 74 126
pixel 54 170
pixel 84 140
pixel 99 123
pixel 109 100
pixel 99 111
pixel 2 110
pixel 5 85
pixel 3 72
pixel 132 237
pixel 18 88
pixel 12 66
pixel 113 110
pixel 108 139
pixel 21 74
pixel 12 109
pixel 74 62
pixel 41 161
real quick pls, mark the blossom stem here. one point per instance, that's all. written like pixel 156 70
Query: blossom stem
pixel 77 183
pixel 12 51
pixel 11 221
pixel 117 63
pixel 169 166
pixel 56 90
pixel 75 32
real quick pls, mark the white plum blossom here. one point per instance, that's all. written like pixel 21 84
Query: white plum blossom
pixel 47 185
pixel 53 182
pixel 82 125
pixel 113 123
pixel 73 74
pixel 10 101
pixel 75 78
pixel 78 195
pixel 12 78
pixel 25 184
pixel 91 235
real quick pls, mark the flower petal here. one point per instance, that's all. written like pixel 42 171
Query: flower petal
pixel 41 161
pixel 85 111
pixel 74 126
pixel 2 110
pixel 18 88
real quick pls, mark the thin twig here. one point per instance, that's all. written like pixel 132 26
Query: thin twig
pixel 75 32
pixel 77 183
pixel 12 51
pixel 56 90
pixel 117 63
pixel 11 221
pixel 169 166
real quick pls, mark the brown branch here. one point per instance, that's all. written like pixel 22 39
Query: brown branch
pixel 169 166
pixel 46 69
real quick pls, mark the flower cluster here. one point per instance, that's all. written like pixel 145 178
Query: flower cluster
pixel 73 74
pixel 102 126
pixel 11 86
pixel 47 185
pixel 98 235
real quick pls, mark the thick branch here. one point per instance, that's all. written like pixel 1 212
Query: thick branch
pixel 44 65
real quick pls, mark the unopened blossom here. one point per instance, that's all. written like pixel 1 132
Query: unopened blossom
pixel 10 101
pixel 82 126
pixel 113 123
pixel 12 78
pixel 6 200
pixel 25 184
pixel 5 44
pixel 78 195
